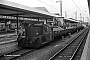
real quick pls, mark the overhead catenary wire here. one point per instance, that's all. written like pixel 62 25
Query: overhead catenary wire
pixel 77 7
pixel 57 9
pixel 47 4
pixel 79 3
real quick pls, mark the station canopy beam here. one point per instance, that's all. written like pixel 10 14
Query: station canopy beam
pixel 8 8
pixel 70 20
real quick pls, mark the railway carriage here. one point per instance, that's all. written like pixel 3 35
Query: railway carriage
pixel 2 26
pixel 13 26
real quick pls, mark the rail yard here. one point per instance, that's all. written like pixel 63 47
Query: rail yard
pixel 30 34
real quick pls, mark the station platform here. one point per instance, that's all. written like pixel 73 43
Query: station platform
pixel 4 38
pixel 8 34
pixel 86 51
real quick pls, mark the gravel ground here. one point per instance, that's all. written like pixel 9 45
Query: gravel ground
pixel 47 52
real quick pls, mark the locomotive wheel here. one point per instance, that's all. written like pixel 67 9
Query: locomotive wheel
pixel 20 41
pixel 38 43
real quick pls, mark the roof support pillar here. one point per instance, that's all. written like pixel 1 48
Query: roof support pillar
pixel 46 21
pixel 38 18
pixel 17 24
pixel 5 25
pixel 53 21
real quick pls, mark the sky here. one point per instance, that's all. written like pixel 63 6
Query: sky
pixel 81 6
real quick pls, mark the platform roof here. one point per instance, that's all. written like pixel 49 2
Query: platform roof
pixel 41 8
pixel 70 20
pixel 9 8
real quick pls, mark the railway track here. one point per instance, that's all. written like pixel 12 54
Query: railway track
pixel 9 50
pixel 22 52
pixel 16 54
pixel 7 35
pixel 69 51
pixel 23 56
pixel 7 39
pixel 8 45
pixel 80 50
pixel 27 56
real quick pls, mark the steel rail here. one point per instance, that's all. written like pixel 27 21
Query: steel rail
pixel 6 42
pixel 66 45
pixel 21 54
pixel 78 46
pixel 1 54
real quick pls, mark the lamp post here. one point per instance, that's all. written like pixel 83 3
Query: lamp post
pixel 65 14
pixel 76 15
pixel 60 7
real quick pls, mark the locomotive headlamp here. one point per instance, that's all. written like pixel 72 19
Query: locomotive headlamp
pixel 32 40
pixel 37 33
pixel 55 31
